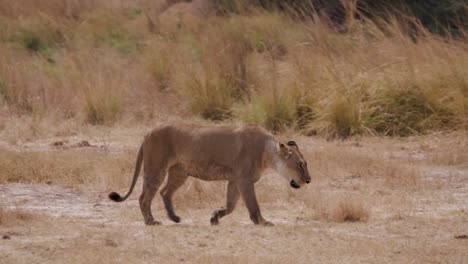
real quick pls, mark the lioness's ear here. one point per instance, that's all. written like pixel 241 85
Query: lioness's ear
pixel 293 144
pixel 284 151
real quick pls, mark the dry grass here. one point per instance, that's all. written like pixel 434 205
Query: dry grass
pixel 68 167
pixel 15 216
pixel 347 209
pixel 339 207
pixel 106 70
pixel 101 62
pixel 342 160
pixel 361 206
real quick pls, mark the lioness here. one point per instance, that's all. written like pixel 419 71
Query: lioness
pixel 236 155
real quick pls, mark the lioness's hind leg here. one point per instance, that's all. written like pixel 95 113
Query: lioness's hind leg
pixel 231 201
pixel 150 187
pixel 176 178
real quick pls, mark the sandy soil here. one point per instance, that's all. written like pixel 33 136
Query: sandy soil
pixel 422 223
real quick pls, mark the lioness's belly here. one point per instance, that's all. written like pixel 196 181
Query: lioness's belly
pixel 209 172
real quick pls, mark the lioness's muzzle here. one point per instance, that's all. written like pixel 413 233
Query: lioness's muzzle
pixel 294 184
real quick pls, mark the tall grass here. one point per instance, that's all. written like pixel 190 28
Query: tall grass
pixel 98 61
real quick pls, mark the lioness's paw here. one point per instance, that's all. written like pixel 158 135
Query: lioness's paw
pixel 214 220
pixel 267 223
pixel 175 218
pixel 152 222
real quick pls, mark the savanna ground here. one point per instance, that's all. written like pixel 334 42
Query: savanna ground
pixel 371 200
pixel 380 117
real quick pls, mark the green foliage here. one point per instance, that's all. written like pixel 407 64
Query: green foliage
pixel 344 118
pixel 100 110
pixel 276 113
pixel 39 35
pixel 107 29
pixel 211 99
pixel 121 41
pixel 159 69
pixel 407 112
pixel 279 114
pixel 3 90
pixel 32 42
pixel 133 13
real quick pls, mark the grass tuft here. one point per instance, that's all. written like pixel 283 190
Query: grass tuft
pixel 407 112
pixel 212 101
pixel 102 110
pixel 348 210
pixel 344 118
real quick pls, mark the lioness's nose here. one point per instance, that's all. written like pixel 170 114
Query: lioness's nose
pixel 307 181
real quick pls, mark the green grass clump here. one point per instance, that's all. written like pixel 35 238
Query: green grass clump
pixel 32 42
pixel 279 114
pixel 104 28
pixel 122 42
pixel 102 110
pixel 344 118
pixel 3 90
pixel 211 100
pixel 40 35
pixel 407 112
pixel 159 68
pixel 276 113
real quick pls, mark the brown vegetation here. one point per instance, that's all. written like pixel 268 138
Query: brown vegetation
pixel 106 72
pixel 100 62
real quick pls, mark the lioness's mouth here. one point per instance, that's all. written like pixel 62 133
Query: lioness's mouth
pixel 294 184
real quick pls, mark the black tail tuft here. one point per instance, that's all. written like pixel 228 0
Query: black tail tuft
pixel 115 197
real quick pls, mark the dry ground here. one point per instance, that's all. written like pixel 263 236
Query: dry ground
pixel 373 200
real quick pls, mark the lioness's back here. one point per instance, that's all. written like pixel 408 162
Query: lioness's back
pixel 223 144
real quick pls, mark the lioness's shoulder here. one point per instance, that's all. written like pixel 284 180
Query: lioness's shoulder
pixel 255 131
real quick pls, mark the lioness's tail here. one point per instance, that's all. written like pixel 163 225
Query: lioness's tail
pixel 115 196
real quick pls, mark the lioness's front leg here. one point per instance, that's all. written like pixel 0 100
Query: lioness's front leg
pixel 247 192
pixel 231 201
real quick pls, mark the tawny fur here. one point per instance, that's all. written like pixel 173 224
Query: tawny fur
pixel 237 155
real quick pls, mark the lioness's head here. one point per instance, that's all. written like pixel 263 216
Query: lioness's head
pixel 292 165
